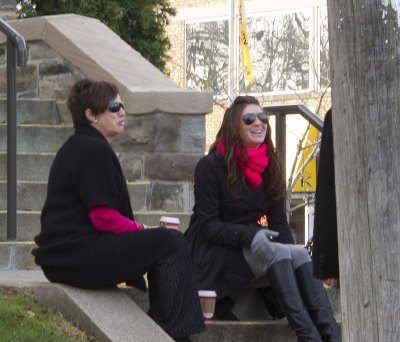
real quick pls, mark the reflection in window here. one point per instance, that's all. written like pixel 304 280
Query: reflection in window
pixel 324 48
pixel 207 56
pixel 280 51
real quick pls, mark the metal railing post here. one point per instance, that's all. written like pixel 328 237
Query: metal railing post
pixel 15 43
pixel 11 144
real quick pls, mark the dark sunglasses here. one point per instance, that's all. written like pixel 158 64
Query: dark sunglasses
pixel 115 107
pixel 249 118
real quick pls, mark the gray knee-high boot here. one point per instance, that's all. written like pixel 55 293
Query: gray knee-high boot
pixel 317 303
pixel 283 282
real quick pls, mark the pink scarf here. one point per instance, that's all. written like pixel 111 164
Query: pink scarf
pixel 254 166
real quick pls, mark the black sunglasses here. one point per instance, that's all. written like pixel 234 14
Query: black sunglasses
pixel 249 118
pixel 115 107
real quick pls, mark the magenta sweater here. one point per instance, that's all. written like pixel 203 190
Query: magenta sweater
pixel 108 220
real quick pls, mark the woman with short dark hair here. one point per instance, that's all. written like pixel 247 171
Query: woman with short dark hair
pixel 238 186
pixel 89 237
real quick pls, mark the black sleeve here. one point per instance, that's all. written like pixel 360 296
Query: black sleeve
pixel 277 221
pixel 207 192
pixel 99 181
pixel 325 243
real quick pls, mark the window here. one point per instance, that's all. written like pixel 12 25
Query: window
pixel 207 55
pixel 280 51
pixel 287 55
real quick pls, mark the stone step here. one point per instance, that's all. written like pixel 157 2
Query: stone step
pixel 32 111
pixel 32 166
pixel 28 222
pixel 249 328
pixel 35 166
pixel 144 197
pixel 254 331
pixel 37 138
pixel 32 195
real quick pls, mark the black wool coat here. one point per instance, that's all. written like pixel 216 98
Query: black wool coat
pixel 221 225
pixel 86 173
pixel 325 243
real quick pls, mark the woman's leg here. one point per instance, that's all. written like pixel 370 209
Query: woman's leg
pixel 280 273
pixel 283 282
pixel 174 301
pixel 317 303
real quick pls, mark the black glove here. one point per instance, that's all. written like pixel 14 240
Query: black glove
pixel 262 247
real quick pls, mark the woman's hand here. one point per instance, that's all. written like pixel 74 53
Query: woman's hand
pixel 332 282
pixel 262 246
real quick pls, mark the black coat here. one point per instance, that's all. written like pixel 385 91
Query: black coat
pixel 86 173
pixel 325 248
pixel 221 225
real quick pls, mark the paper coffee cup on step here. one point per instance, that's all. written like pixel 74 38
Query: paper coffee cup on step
pixel 207 302
pixel 169 222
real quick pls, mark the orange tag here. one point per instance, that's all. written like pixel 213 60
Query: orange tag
pixel 262 221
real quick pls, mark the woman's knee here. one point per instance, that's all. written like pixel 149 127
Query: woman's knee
pixel 299 256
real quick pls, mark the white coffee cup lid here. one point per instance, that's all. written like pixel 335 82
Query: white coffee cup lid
pixel 167 219
pixel 207 293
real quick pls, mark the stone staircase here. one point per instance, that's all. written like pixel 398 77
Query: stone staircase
pixel 255 324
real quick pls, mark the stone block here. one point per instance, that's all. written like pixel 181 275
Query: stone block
pixel 5 255
pixel 2 55
pixel 57 85
pixel 30 167
pixel 30 196
pixel 193 133
pixel 26 78
pixel 166 197
pixel 149 133
pixel 64 115
pixel 132 166
pixel 37 138
pixel 23 258
pixel 40 50
pixel 17 255
pixel 31 111
pixel 171 166
pixel 52 68
pixel 28 225
pixel 138 195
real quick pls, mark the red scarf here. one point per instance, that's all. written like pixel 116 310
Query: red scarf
pixel 254 166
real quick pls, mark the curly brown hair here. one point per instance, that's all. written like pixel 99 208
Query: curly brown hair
pixel 273 180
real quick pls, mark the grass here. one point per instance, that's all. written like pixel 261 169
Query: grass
pixel 24 320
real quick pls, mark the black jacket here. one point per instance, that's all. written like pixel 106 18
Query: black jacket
pixel 86 173
pixel 221 225
pixel 325 248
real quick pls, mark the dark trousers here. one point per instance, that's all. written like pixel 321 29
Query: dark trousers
pixel 174 301
pixel 162 253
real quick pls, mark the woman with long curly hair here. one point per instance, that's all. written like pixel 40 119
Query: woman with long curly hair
pixel 236 185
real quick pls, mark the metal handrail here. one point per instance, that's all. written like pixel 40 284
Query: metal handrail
pixel 15 42
pixel 301 109
pixel 280 111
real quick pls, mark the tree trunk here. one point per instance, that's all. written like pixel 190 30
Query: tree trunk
pixel 365 62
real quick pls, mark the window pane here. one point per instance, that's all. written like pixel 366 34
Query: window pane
pixel 324 48
pixel 280 51
pixel 207 56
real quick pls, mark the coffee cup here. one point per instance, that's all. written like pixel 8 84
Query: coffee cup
pixel 169 222
pixel 207 302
